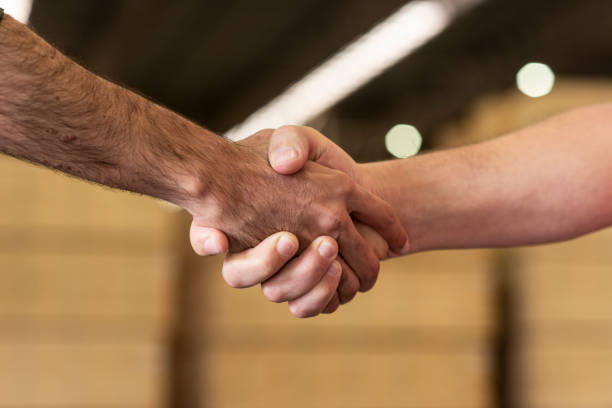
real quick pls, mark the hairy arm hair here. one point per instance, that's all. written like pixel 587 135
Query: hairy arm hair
pixel 58 114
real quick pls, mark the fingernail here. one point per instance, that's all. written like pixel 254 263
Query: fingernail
pixel 406 249
pixel 284 155
pixel 211 246
pixel 285 247
pixel 327 250
pixel 334 269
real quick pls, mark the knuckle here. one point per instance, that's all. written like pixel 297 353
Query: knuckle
pixel 233 279
pixel 265 265
pixel 264 132
pixel 297 129
pixel 332 222
pixel 303 311
pixel 273 292
pixel 237 278
pixel 287 128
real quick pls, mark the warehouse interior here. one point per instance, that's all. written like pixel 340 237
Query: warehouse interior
pixel 104 304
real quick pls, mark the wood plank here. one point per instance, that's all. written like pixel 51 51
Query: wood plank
pixel 582 334
pixel 565 377
pixel 430 290
pixel 100 330
pixel 591 249
pixel 35 196
pixel 326 380
pixel 566 283
pixel 255 338
pixel 85 285
pixel 82 240
pixel 564 317
pixel 554 292
pixel 76 376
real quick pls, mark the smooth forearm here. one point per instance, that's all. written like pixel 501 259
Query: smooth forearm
pixel 54 112
pixel 544 183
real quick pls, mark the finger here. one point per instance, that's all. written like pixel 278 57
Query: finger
pixel 359 256
pixel 310 145
pixel 375 241
pixel 288 149
pixel 207 241
pixel 377 213
pixel 257 264
pixel 332 305
pixel 314 301
pixel 349 283
pixel 303 273
pixel 326 153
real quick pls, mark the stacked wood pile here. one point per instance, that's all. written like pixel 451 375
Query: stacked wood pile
pixel 85 285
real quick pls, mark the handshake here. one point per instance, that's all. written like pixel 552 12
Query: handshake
pixel 310 225
pixel 295 212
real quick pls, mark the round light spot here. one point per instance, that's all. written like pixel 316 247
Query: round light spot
pixel 403 141
pixel 535 79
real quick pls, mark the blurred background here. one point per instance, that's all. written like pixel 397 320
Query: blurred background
pixel 103 304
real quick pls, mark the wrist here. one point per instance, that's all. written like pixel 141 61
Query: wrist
pixel 211 189
pixel 205 172
pixel 175 159
pixel 442 199
pixel 402 185
pixel 374 177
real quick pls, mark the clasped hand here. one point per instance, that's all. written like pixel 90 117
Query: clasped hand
pixel 310 199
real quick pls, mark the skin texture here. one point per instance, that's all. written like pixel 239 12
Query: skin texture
pixel 300 275
pixel 56 113
pixel 545 183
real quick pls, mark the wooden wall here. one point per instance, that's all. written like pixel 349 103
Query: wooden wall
pixel 85 289
pixel 564 317
pixel 86 283
pixel 421 338
pixel 86 292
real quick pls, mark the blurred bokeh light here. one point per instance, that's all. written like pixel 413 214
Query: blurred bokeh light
pixel 403 141
pixel 535 79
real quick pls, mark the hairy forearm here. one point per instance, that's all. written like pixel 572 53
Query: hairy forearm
pixel 56 113
pixel 548 182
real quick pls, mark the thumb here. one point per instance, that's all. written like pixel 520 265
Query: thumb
pixel 288 150
pixel 291 146
pixel 207 241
